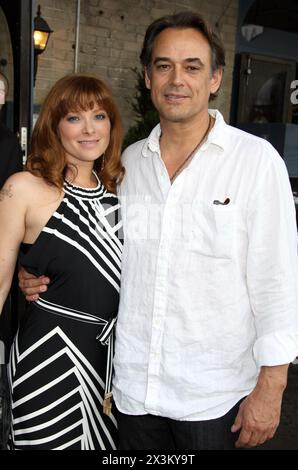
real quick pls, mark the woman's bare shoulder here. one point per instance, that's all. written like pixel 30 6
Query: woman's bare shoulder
pixel 24 183
pixel 22 178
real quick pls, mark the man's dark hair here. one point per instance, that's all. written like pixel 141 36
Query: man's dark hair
pixel 182 20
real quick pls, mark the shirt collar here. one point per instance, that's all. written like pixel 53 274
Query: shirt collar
pixel 151 144
pixel 217 136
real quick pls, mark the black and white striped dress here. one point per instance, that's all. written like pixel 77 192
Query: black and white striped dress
pixel 61 358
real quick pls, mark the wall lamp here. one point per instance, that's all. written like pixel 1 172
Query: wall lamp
pixel 41 36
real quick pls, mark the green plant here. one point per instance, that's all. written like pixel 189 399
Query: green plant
pixel 146 115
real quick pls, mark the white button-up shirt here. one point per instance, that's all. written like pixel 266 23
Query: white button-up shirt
pixel 209 291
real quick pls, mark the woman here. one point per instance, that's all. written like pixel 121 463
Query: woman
pixel 64 215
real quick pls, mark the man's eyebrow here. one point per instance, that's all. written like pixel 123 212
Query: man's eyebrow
pixel 189 60
pixel 194 60
pixel 161 59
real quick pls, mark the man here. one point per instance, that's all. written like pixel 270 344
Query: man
pixel 208 313
pixel 10 150
pixel 10 162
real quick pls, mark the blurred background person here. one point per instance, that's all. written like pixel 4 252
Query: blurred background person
pixel 10 150
pixel 10 162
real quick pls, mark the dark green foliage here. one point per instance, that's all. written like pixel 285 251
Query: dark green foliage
pixel 146 114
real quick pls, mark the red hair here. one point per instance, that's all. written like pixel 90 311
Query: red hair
pixel 71 94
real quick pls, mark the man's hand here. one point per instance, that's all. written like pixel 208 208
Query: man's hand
pixel 31 285
pixel 259 414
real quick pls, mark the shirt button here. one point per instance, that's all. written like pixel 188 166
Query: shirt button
pixel 155 354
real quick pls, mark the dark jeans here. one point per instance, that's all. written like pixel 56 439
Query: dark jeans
pixel 148 432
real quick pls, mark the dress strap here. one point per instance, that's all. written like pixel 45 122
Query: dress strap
pixel 106 338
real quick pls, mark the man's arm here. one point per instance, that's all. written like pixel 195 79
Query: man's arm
pixel 259 414
pixel 272 282
pixel 32 286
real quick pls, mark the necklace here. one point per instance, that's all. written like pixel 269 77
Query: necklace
pixel 180 167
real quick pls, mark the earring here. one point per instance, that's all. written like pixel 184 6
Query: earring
pixel 102 163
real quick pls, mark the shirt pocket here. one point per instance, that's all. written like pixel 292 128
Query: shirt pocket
pixel 214 229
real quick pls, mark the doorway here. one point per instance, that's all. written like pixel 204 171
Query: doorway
pixel 16 66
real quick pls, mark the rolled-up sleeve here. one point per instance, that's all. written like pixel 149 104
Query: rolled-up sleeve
pixel 272 265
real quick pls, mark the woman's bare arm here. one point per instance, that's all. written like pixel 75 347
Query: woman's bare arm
pixel 13 206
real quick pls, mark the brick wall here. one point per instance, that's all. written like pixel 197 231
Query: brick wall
pixel 111 35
